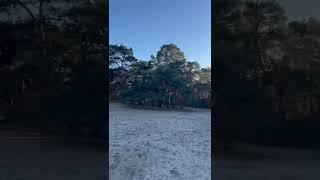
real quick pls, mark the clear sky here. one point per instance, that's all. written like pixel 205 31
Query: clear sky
pixel 145 25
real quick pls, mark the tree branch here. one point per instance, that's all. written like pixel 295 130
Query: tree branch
pixel 27 9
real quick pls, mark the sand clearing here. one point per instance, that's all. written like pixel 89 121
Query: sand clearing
pixel 151 144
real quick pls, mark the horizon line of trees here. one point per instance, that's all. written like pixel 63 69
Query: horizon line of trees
pixel 166 80
pixel 266 69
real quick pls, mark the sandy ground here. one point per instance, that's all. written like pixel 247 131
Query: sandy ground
pixel 267 163
pixel 31 155
pixel 151 144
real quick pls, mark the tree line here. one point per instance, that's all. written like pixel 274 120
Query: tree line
pixel 266 71
pixel 166 80
pixel 53 65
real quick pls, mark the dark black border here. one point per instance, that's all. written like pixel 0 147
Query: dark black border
pixel 107 93
pixel 213 119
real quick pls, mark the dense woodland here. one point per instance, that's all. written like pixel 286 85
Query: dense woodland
pixel 53 65
pixel 167 80
pixel 266 71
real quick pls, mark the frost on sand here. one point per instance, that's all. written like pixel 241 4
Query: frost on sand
pixel 149 144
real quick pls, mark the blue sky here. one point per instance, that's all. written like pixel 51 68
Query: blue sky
pixel 145 25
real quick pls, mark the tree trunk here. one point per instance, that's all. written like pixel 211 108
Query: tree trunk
pixel 84 47
pixel 43 40
pixel 198 96
pixel 173 103
pixel 193 98
pixel 281 91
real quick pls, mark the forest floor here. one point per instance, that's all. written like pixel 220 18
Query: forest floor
pixel 153 144
pixel 30 154
pixel 248 162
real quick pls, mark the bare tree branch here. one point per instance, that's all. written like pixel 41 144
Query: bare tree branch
pixel 27 9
